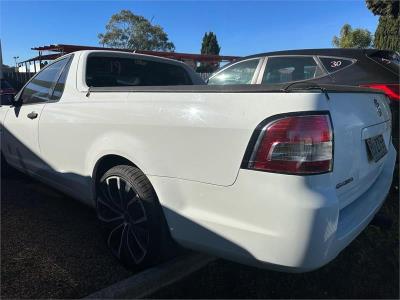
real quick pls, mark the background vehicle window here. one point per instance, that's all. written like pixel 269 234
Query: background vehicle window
pixel 239 73
pixel 290 68
pixel 121 71
pixel 4 85
pixel 5 99
pixel 333 64
pixel 59 87
pixel 38 89
pixel 7 92
pixel 386 57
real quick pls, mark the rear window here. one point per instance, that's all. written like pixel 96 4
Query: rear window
pixel 106 71
pixel 290 68
pixel 333 64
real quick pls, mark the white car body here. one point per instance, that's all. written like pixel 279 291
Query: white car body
pixel 191 143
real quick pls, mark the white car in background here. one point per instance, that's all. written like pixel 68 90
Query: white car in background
pixel 282 177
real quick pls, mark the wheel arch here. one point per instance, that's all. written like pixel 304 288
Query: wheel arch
pixel 105 162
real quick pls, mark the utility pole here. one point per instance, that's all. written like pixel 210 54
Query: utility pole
pixel 1 62
pixel 15 58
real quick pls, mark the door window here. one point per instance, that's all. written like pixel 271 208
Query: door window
pixel 239 73
pixel 290 68
pixel 39 88
pixel 59 87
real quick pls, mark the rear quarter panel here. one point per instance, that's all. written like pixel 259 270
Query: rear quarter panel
pixel 200 137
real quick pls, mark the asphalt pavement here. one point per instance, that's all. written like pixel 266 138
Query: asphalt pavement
pixel 51 245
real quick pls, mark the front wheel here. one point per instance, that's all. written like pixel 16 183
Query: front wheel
pixel 131 217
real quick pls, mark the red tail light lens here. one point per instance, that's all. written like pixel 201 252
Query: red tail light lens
pixel 391 90
pixel 295 145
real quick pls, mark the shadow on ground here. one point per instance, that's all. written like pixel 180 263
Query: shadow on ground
pixel 368 268
pixel 51 246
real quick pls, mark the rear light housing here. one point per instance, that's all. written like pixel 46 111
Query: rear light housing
pixel 392 91
pixel 294 144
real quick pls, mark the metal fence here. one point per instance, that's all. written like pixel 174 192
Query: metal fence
pixel 204 76
pixel 17 79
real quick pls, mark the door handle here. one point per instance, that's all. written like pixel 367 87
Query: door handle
pixel 32 115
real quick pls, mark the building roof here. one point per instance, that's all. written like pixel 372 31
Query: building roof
pixel 62 49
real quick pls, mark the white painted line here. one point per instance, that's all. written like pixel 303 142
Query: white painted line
pixel 151 280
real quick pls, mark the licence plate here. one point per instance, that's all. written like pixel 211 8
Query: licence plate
pixel 376 147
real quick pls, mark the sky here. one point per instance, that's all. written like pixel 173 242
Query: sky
pixel 242 27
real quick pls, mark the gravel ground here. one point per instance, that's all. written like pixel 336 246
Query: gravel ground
pixel 51 246
pixel 368 268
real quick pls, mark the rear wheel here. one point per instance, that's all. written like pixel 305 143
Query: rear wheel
pixel 131 217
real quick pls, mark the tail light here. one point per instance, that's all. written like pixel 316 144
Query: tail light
pixel 392 91
pixel 294 145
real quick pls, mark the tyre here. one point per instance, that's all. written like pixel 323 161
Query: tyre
pixel 131 216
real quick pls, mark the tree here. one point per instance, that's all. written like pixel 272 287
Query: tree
pixel 384 7
pixel 352 38
pixel 209 46
pixel 129 31
pixel 387 35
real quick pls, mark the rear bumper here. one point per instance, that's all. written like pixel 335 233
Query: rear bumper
pixel 288 223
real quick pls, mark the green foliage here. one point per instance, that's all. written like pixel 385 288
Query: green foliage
pixel 209 46
pixel 129 31
pixel 387 35
pixel 384 7
pixel 352 38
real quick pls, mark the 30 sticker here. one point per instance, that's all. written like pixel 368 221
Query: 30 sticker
pixel 336 63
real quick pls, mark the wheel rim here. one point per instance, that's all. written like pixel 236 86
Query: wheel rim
pixel 121 210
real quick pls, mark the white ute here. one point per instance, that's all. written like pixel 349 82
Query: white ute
pixel 272 177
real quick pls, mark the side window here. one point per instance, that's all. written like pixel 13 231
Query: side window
pixel 290 68
pixel 59 87
pixel 333 64
pixel 239 73
pixel 107 71
pixel 38 89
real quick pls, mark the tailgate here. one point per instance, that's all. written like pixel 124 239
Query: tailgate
pixel 362 124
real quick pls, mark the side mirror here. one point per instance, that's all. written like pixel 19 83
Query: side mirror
pixel 17 100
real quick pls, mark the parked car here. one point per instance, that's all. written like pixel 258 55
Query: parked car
pixel 7 92
pixel 372 68
pixel 282 179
